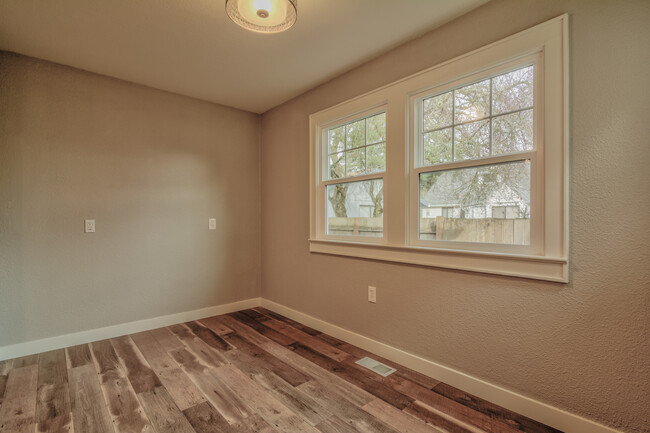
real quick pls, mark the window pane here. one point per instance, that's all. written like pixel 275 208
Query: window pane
pixel 336 140
pixel 472 102
pixel 348 152
pixel 437 146
pixel 356 209
pixel 437 111
pixel 489 204
pixel 512 132
pixel 355 134
pixel 336 165
pixel 512 91
pixel 472 140
pixel 376 158
pixel 376 128
pixel 355 162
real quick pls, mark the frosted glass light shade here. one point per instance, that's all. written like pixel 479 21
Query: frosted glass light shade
pixel 263 16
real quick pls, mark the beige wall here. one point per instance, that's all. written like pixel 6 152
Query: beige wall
pixel 583 347
pixel 151 168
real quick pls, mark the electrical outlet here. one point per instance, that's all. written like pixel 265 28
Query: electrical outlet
pixel 89 226
pixel 212 224
pixel 372 294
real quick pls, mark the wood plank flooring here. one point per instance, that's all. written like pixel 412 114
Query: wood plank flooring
pixel 249 371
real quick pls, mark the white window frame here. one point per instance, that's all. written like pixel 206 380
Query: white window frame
pixel 537 175
pixel 547 257
pixel 321 205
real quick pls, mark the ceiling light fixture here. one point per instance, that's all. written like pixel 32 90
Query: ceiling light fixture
pixel 263 16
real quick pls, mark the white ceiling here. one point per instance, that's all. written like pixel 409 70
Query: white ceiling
pixel 192 48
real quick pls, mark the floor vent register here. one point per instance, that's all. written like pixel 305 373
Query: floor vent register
pixel 376 366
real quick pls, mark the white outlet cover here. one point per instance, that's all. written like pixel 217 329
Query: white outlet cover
pixel 89 226
pixel 372 294
pixel 212 224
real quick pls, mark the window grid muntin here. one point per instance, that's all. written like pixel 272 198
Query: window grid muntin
pixel 345 150
pixel 375 175
pixel 453 125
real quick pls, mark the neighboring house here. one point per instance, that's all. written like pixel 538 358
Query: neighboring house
pixel 444 199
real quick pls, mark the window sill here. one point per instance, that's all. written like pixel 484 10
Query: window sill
pixel 515 265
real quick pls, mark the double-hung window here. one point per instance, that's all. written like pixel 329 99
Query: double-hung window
pixel 463 165
pixel 475 157
pixel 355 162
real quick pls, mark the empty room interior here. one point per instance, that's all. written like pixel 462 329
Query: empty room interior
pixel 349 216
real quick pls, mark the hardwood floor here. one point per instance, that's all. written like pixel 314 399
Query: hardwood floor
pixel 250 371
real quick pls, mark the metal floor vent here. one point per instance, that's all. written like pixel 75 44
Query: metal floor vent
pixel 376 366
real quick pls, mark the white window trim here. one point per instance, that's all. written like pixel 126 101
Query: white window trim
pixel 548 42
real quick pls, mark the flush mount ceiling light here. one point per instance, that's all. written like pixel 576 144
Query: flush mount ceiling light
pixel 263 16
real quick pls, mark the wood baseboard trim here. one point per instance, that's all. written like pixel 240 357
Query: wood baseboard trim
pixel 83 337
pixel 512 400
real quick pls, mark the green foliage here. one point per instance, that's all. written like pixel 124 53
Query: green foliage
pixel 438 111
pixel 355 134
pixel 508 100
pixel 513 133
pixel 355 162
pixel 376 158
pixel 437 146
pixel 472 102
pixel 513 91
pixel 336 140
pixel 427 181
pixel 376 128
pixel 472 140
pixel 337 165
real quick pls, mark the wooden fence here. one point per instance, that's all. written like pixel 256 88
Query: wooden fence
pixel 372 227
pixel 488 230
pixel 484 230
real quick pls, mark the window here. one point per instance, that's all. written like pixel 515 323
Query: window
pixel 488 126
pixel 356 161
pixel 507 212
pixel 463 165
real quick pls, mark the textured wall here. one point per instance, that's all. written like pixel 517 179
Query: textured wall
pixel 583 347
pixel 151 168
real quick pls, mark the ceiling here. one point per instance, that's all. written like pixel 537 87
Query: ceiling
pixel 191 47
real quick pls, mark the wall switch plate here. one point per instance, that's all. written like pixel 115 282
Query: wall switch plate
pixel 89 226
pixel 372 294
pixel 212 224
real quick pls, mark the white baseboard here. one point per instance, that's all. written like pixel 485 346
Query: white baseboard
pixel 83 337
pixel 526 406
pixel 521 404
